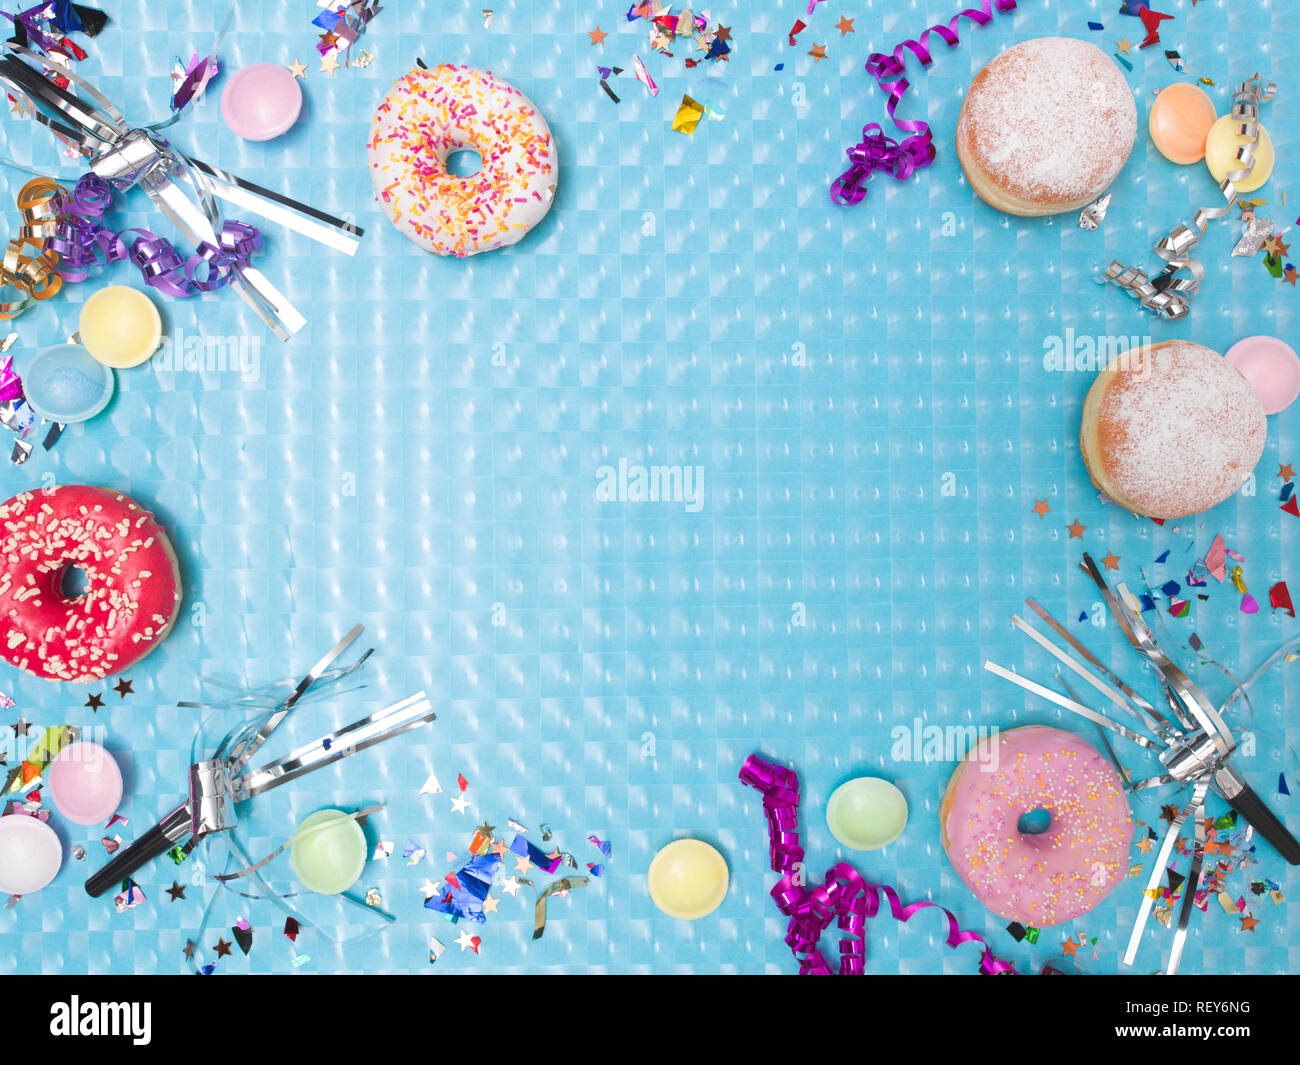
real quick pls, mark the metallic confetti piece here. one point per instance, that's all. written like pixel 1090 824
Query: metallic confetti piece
pixel 1175 60
pixel 565 884
pixel 435 950
pixel 515 826
pixel 79 853
pixel 1095 213
pixel 688 116
pixel 1164 914
pixel 373 898
pixel 383 849
pixel 488 16
pixel 1256 231
pixel 291 929
pixel 300 960
pixel 546 832
pixel 643 75
pixel 243 934
pixel 414 854
pixel 606 848
pixel 431 786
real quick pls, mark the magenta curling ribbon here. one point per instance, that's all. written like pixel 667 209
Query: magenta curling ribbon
pixel 844 897
pixel 83 241
pixel 877 152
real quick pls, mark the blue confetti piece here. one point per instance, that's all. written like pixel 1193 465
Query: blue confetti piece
pixel 1147 603
pixel 1162 559
pixel 1281 785
pixel 208 969
pixel 1083 615
pixel 1287 489
pixel 1095 26
pixel 1171 588
pixel 1132 7
pixel 521 846
pixel 596 870
pixel 779 66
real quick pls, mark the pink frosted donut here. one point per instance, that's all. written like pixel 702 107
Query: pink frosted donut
pixel 1049 877
pixel 133 588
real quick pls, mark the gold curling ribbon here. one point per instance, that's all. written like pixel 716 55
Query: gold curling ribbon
pixel 35 274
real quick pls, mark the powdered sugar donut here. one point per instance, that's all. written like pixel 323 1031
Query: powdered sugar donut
pixel 430 114
pixel 132 591
pixel 1045 127
pixel 1051 876
pixel 1171 431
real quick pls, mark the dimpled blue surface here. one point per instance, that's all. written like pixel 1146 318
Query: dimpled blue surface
pixel 865 392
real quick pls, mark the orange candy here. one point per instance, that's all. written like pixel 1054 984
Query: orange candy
pixel 1181 117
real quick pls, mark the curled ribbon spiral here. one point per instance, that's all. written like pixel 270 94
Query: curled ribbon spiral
pixel 845 897
pixel 1167 294
pixel 889 72
pixel 35 275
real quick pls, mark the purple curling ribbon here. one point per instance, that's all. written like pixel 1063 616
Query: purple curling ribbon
pixel 889 74
pixel 83 241
pixel 844 897
pixel 878 152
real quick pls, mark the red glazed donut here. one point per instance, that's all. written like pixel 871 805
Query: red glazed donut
pixel 133 588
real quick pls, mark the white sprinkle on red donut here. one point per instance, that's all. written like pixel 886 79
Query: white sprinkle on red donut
pixel 132 591
pixel 429 115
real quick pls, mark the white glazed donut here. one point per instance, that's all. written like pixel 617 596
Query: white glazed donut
pixel 430 114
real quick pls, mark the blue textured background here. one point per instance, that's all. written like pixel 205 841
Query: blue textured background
pixel 381 468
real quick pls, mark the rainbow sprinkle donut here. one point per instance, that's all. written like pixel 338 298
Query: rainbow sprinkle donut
pixel 430 114
pixel 1047 877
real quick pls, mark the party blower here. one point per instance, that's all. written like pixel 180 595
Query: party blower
pixel 1194 748
pixel 217 785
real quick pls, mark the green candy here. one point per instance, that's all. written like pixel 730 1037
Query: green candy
pixel 328 859
pixel 866 813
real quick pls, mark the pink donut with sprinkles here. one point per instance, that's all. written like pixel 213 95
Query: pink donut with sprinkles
pixel 1047 877
pixel 133 588
pixel 431 114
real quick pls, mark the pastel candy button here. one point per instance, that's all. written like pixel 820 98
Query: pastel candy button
pixel 85 783
pixel 866 813
pixel 120 326
pixel 66 384
pixel 328 852
pixel 1180 121
pixel 688 879
pixel 1271 367
pixel 261 102
pixel 1221 154
pixel 30 854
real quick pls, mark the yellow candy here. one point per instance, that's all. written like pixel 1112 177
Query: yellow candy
pixel 120 326
pixel 688 879
pixel 1221 153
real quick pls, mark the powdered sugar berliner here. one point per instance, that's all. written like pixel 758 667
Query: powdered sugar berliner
pixel 1173 432
pixel 1046 127
pixel 132 591
pixel 429 115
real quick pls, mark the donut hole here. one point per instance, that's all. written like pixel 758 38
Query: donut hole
pixel 463 162
pixel 1034 822
pixel 73 582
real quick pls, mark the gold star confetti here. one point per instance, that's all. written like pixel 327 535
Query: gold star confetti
pixel 329 64
pixel 298 70
pixel 1122 47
